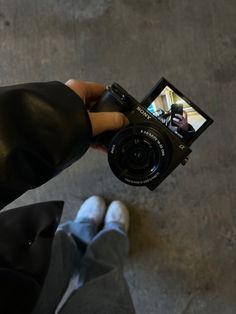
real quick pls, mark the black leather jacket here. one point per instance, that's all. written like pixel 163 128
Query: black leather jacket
pixel 44 128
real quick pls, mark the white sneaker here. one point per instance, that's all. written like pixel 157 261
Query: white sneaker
pixel 117 212
pixel 92 209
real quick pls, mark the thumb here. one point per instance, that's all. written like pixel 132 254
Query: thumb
pixel 107 121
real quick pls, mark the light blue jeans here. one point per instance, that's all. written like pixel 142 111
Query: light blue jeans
pixel 85 273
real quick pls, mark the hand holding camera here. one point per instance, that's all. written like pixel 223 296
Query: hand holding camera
pixel 144 152
pixel 91 92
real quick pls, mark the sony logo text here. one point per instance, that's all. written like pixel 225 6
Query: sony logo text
pixel 143 112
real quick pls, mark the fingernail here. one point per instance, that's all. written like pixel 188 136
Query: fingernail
pixel 126 121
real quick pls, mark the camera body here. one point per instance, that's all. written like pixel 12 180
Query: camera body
pixel 144 152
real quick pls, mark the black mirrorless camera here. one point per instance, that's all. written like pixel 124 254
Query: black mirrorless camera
pixel 158 137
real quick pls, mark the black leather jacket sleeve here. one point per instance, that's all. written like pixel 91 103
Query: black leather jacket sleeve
pixel 44 127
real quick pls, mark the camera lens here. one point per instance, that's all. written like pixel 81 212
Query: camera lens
pixel 138 157
pixel 138 154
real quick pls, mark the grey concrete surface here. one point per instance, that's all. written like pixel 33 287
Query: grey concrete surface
pixel 183 235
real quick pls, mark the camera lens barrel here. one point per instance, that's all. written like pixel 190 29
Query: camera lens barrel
pixel 138 154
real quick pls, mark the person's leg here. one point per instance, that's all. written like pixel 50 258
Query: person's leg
pixel 69 246
pixel 103 288
pixel 111 245
pixel 64 259
pixel 89 218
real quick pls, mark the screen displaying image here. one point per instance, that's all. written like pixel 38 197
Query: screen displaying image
pixel 176 114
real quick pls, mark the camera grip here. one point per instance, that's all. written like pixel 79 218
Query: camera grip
pixel 114 99
pixel 107 103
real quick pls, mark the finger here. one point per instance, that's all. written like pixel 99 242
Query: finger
pixel 176 120
pixel 94 91
pixel 99 148
pixel 78 87
pixel 177 124
pixel 107 121
pixel 185 114
pixel 88 91
pixel 179 116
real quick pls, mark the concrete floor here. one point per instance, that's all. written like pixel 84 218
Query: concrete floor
pixel 183 235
